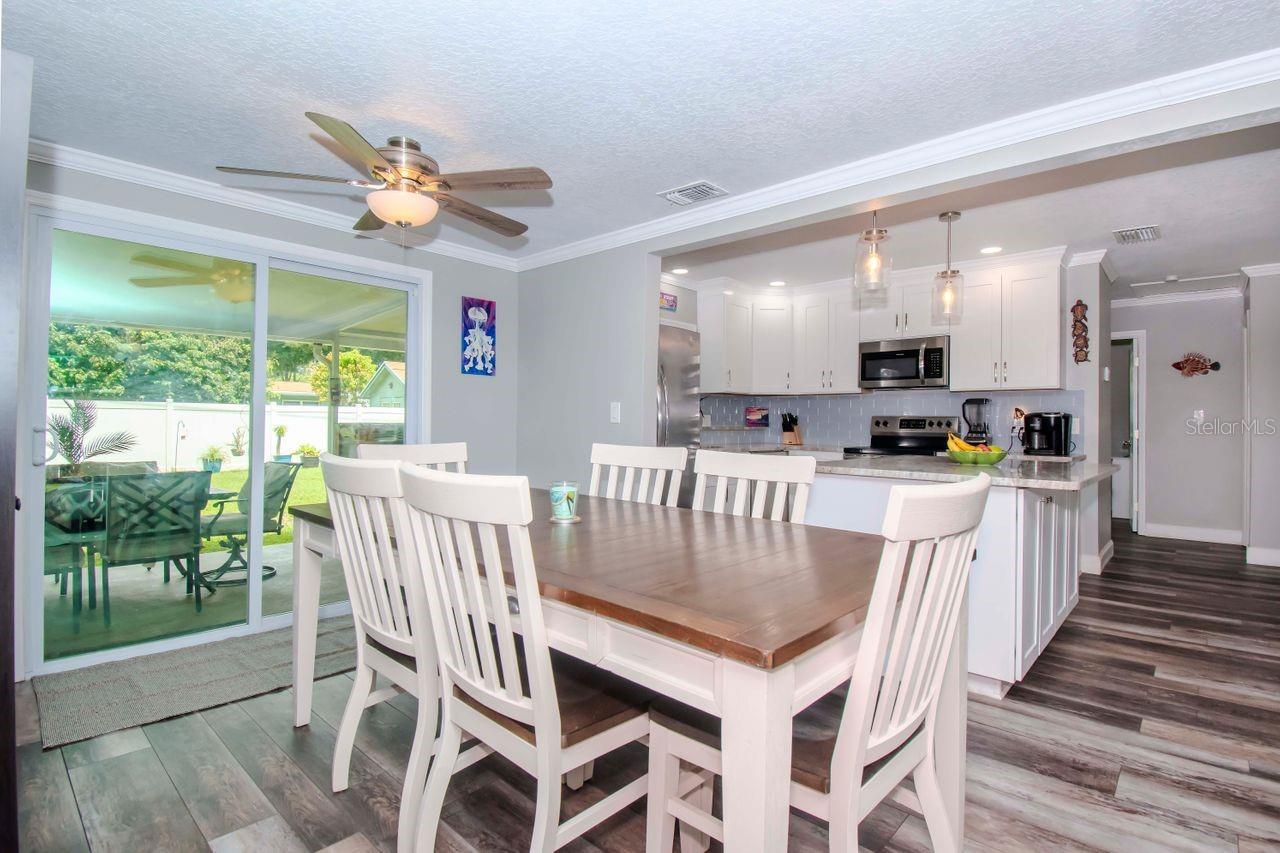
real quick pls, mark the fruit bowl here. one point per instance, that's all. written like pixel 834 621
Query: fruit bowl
pixel 978 457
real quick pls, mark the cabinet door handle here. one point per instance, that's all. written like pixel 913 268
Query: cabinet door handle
pixel 730 382
pixel 995 371
pixel 906 320
pixel 895 321
pixel 1006 372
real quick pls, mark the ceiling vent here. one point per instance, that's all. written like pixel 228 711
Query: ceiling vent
pixel 693 193
pixel 1144 234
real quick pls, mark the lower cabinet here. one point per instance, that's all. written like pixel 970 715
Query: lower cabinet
pixel 1048 570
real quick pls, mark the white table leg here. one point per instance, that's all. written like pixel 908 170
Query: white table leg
pixel 756 749
pixel 950 740
pixel 306 614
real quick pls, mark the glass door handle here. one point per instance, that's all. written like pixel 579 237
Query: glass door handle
pixel 41 453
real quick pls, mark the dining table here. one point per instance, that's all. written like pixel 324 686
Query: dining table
pixel 750 620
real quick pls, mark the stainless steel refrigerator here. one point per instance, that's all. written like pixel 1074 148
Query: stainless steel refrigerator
pixel 679 409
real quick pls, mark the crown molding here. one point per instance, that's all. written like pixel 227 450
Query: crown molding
pixel 1259 270
pixel 1206 81
pixel 1176 298
pixel 1101 257
pixel 75 159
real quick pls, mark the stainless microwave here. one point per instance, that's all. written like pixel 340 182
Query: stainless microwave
pixel 905 363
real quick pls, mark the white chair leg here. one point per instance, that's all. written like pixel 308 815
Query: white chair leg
pixel 664 776
pixel 942 834
pixel 691 839
pixel 546 816
pixel 347 728
pixel 575 778
pixel 415 775
pixel 437 783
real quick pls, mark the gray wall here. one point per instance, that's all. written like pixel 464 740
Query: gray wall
pixel 1264 403
pixel 1121 361
pixel 686 304
pixel 1193 487
pixel 479 410
pixel 1089 283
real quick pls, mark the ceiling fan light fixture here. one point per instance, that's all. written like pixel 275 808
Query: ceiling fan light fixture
pixel 405 208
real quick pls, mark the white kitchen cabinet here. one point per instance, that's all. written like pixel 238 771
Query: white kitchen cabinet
pixel 1009 334
pixel 724 324
pixel 825 345
pixel 975 337
pixel 771 336
pixel 842 364
pixel 906 311
pixel 880 316
pixel 917 312
pixel 1049 573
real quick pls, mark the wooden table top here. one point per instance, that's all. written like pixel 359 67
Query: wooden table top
pixel 758 591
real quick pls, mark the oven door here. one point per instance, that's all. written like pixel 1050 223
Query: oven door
pixel 904 363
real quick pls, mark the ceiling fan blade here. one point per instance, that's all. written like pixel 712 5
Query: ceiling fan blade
pixel 268 173
pixel 349 138
pixel 167 263
pixel 481 215
pixel 523 178
pixel 169 281
pixel 368 222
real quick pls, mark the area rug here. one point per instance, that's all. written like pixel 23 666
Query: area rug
pixel 107 697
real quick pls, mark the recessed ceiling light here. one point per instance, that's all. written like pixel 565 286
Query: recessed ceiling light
pixel 777 284
pixel 728 293
pixel 680 271
pixel 992 250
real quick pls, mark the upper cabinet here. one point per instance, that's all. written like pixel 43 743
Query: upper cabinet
pixel 825 343
pixel 905 311
pixel 1010 334
pixel 771 345
pixel 724 323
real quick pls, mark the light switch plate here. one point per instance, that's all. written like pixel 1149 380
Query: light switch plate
pixel 615 413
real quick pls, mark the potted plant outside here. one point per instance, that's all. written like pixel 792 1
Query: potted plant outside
pixel 310 455
pixel 239 441
pixel 69 437
pixel 212 458
pixel 280 430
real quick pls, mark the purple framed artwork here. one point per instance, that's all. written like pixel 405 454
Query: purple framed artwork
pixel 479 336
pixel 756 416
pixel 668 302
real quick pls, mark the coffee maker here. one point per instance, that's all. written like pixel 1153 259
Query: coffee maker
pixel 977 420
pixel 1047 434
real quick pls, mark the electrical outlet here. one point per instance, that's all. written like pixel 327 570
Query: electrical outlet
pixel 615 413
pixel 1075 426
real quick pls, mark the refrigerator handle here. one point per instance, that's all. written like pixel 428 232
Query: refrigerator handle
pixel 664 410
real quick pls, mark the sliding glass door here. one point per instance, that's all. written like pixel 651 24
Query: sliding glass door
pixel 186 397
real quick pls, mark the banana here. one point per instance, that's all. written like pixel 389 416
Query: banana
pixel 960 444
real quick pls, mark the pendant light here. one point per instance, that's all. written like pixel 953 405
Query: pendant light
pixel 948 284
pixel 872 267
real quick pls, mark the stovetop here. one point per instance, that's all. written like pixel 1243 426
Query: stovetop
pixel 907 435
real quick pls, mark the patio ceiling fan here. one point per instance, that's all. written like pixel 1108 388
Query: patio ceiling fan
pixel 408 189
pixel 232 281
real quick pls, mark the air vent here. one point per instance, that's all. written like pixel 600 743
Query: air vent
pixel 693 193
pixel 1144 234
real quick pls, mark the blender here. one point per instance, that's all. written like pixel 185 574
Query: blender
pixel 977 420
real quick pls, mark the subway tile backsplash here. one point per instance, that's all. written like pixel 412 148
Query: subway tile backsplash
pixel 844 420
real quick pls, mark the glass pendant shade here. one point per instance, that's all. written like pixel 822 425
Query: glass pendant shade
pixel 948 297
pixel 405 208
pixel 873 266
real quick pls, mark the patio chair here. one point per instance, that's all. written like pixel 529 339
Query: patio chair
pixel 153 518
pixel 233 527
pixel 74 527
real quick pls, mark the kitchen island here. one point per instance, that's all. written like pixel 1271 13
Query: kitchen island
pixel 1024 580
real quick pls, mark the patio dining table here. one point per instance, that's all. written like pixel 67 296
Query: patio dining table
pixel 748 619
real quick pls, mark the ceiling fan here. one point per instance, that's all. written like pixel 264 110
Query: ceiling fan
pixel 232 281
pixel 408 189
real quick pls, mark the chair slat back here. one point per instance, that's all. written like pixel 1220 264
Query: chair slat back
pixel 450 456
pixel 370 525
pixel 470 529
pixel 644 470
pixel 750 478
pixel 154 516
pixel 912 620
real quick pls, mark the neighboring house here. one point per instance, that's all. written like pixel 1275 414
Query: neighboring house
pixel 385 389
pixel 291 393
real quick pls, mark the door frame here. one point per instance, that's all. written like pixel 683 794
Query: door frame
pixel 1138 424
pixel 49 212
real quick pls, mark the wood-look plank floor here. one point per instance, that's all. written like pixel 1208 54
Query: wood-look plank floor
pixel 1151 722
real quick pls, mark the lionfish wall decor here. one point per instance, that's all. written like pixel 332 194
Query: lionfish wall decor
pixel 1080 331
pixel 1196 364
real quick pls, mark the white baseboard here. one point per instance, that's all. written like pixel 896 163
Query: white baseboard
pixel 1262 556
pixel 1093 564
pixel 1195 534
pixel 992 688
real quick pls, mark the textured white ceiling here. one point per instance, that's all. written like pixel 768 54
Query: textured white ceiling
pixel 616 100
pixel 1215 216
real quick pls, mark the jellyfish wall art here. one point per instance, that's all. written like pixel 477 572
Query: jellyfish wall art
pixel 479 336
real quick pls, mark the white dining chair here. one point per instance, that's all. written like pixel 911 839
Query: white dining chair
pixel 543 710
pixel 450 456
pixel 392 622
pixel 751 475
pixel 645 471
pixel 854 747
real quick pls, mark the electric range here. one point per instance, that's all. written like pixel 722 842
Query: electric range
pixel 906 435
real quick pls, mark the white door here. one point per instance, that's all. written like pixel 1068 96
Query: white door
pixel 975 337
pixel 1136 446
pixel 771 347
pixel 812 314
pixel 917 312
pixel 842 365
pixel 737 344
pixel 880 316
pixel 1031 327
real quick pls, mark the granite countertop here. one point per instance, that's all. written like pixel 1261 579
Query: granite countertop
pixel 1055 476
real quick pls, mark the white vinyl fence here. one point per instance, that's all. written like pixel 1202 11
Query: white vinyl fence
pixel 174 435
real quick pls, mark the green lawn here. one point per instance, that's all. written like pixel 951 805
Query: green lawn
pixel 308 488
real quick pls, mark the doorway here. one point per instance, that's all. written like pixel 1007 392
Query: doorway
pixel 1127 415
